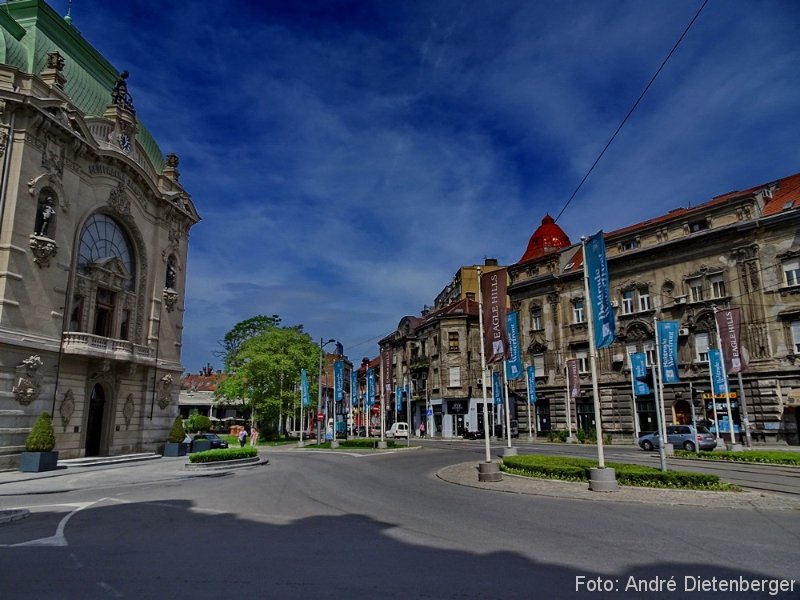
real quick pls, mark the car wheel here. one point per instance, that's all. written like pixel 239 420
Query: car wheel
pixel 647 445
pixel 688 446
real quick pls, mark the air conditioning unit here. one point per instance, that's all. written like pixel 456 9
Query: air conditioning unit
pixel 680 299
pixel 614 304
pixel 683 331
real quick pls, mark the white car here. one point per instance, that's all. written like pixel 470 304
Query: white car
pixel 398 430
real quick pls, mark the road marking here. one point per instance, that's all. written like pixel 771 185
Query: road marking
pixel 58 539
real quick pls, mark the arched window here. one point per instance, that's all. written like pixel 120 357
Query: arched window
pixel 101 239
pixel 172 273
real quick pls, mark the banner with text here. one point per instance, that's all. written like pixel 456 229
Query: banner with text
pixel 303 388
pixel 370 386
pixel 596 271
pixel 530 375
pixel 729 323
pixel 717 370
pixel 338 380
pixel 398 398
pixel 668 351
pixel 497 388
pixel 638 373
pixel 493 297
pixel 387 375
pixel 573 379
pixel 514 362
pixel 353 387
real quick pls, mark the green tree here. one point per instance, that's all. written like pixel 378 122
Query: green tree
pixel 241 332
pixel 266 369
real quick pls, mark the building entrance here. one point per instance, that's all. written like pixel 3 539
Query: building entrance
pixel 94 421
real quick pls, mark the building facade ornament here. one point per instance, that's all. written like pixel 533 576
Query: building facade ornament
pixel 165 392
pixel 128 409
pixel 170 299
pixel 118 200
pixel 43 250
pixel 67 408
pixel 28 380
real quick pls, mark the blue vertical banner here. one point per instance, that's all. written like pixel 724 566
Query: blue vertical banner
pixel 530 372
pixel 338 380
pixel 639 372
pixel 497 389
pixel 304 388
pixel 668 351
pixel 408 394
pixel 398 398
pixel 370 386
pixel 514 362
pixel 353 387
pixel 717 371
pixel 605 329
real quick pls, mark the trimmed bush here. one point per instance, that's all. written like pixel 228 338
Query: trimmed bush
pixel 223 454
pixel 775 457
pixel 177 434
pixel 41 438
pixel 577 469
pixel 197 422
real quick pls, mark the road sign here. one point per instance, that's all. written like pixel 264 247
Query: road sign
pixel 320 416
pixel 430 412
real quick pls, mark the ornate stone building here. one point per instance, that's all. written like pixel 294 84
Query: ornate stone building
pixel 94 228
pixel 738 250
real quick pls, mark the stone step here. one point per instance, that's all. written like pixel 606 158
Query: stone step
pixel 90 461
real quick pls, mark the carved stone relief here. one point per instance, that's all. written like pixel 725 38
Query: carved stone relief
pixel 28 380
pixel 118 200
pixel 67 408
pixel 170 299
pixel 43 250
pixel 165 392
pixel 128 410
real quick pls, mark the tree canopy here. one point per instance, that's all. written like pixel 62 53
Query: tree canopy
pixel 243 331
pixel 266 367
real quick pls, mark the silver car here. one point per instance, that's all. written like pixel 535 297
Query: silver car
pixel 681 436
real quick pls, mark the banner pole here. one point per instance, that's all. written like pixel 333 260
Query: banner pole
pixel 658 391
pixel 528 388
pixel 593 361
pixel 724 380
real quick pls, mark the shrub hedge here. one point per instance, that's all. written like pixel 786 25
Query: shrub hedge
pixel 577 469
pixel 775 457
pixel 42 436
pixel 223 454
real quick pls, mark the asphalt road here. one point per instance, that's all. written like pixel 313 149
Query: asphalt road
pixel 344 525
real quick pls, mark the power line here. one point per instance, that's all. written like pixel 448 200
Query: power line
pixel 635 104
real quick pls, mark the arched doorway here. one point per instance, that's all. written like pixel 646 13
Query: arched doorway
pixel 94 421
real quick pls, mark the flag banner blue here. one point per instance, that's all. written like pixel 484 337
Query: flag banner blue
pixel 398 398
pixel 514 362
pixel 353 387
pixel 599 291
pixel 370 386
pixel 338 380
pixel 668 351
pixel 717 370
pixel 639 372
pixel 304 388
pixel 497 388
pixel 530 373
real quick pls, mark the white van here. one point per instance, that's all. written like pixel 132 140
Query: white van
pixel 398 430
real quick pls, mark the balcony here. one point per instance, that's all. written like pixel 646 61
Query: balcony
pixel 86 344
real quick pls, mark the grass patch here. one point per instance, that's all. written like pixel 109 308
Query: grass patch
pixel 578 469
pixel 223 454
pixel 772 457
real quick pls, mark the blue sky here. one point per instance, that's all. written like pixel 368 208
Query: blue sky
pixel 348 157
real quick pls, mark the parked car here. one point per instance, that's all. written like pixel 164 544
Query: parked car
pixel 681 436
pixel 216 441
pixel 398 430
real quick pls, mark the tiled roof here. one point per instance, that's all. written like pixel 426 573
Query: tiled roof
pixel 201 383
pixel 463 306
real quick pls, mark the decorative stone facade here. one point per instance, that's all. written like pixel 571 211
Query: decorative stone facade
pixel 93 246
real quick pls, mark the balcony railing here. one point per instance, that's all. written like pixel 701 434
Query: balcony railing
pixel 86 344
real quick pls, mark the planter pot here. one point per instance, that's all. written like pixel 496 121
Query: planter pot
pixel 201 445
pixel 173 449
pixel 36 462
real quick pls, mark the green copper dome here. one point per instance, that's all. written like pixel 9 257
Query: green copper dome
pixel 31 30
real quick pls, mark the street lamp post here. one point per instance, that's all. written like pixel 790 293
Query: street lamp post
pixel 319 387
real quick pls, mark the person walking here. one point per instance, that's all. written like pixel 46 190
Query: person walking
pixel 242 437
pixel 253 435
pixel 422 429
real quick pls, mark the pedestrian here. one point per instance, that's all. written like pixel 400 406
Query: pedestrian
pixel 253 435
pixel 422 429
pixel 242 437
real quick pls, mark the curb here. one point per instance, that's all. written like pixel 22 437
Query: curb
pixel 226 464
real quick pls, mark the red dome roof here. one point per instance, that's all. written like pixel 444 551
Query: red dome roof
pixel 549 237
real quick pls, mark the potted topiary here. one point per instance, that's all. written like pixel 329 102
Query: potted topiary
pixel 175 445
pixel 39 455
